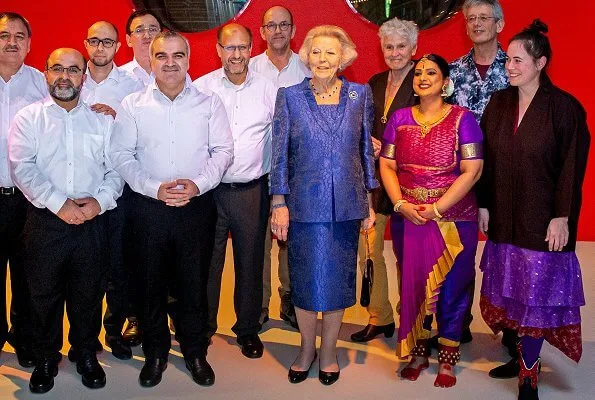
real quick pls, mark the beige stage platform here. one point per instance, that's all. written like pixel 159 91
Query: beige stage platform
pixel 368 371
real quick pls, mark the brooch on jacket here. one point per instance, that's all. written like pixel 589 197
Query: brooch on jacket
pixel 353 95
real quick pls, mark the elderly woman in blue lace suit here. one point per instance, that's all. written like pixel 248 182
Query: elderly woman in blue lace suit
pixel 322 172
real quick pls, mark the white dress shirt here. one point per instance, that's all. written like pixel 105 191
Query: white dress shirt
pixel 156 140
pixel 134 68
pixel 57 155
pixel 112 90
pixel 292 74
pixel 250 108
pixel 25 87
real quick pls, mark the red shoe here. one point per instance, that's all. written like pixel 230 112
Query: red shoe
pixel 444 380
pixel 412 373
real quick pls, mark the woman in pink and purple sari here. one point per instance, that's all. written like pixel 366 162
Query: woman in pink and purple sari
pixel 430 159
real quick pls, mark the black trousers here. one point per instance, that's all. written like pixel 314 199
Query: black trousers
pixel 121 284
pixel 13 213
pixel 64 263
pixel 178 241
pixel 243 210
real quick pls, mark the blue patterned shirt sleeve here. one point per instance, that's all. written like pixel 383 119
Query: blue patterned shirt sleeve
pixel 471 91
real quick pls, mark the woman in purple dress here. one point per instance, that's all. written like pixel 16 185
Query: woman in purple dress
pixel 430 159
pixel 536 141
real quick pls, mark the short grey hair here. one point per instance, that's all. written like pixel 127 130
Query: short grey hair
pixel 396 26
pixel 348 52
pixel 166 35
pixel 495 4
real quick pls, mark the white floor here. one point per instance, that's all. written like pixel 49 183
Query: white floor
pixel 368 371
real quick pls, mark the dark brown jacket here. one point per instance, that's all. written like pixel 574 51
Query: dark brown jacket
pixel 404 98
pixel 536 174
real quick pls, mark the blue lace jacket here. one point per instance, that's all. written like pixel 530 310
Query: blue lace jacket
pixel 323 171
pixel 470 90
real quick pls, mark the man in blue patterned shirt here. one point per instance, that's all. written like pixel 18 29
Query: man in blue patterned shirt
pixel 480 72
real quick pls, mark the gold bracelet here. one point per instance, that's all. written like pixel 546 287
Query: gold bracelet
pixel 436 210
pixel 398 204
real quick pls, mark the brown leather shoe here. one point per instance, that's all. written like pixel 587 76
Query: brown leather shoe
pixel 371 331
pixel 132 334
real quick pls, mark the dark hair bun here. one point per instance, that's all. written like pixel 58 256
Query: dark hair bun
pixel 538 26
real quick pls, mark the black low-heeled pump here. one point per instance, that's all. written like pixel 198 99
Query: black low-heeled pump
pixel 299 376
pixel 328 378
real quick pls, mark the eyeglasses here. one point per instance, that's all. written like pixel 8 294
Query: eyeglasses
pixel 232 49
pixel 153 30
pixel 272 27
pixel 58 69
pixel 107 43
pixel 18 37
pixel 482 18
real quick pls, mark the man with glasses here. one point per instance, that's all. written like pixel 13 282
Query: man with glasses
pixel 142 26
pixel 242 198
pixel 104 88
pixel 58 159
pixel 284 68
pixel 172 144
pixel 20 85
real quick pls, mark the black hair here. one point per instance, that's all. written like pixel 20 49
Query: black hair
pixel 12 16
pixel 140 13
pixel 440 61
pixel 535 41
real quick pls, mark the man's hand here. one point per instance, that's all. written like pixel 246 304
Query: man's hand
pixel 177 193
pixel 377 144
pixel 71 213
pixel 104 109
pixel 89 206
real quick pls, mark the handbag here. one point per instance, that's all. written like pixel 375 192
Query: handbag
pixel 367 276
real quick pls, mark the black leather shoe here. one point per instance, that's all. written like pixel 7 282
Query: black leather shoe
pixel 328 378
pixel 287 311
pixel 201 371
pixel 132 333
pixel 371 331
pixel 506 371
pixel 152 371
pixel 73 353
pixel 91 372
pixel 251 346
pixel 120 349
pixel 42 378
pixel 299 376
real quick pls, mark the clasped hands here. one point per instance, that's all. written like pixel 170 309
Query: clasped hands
pixel 78 211
pixel 419 214
pixel 177 193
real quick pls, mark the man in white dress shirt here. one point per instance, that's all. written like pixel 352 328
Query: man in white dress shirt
pixel 105 87
pixel 20 85
pixel 142 26
pixel 282 66
pixel 242 197
pixel 58 159
pixel 172 144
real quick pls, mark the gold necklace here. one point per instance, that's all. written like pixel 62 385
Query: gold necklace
pixel 426 126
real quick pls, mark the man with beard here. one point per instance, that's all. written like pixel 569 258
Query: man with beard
pixel 141 28
pixel 284 68
pixel 172 144
pixel 20 85
pixel 58 160
pixel 105 87
pixel 249 100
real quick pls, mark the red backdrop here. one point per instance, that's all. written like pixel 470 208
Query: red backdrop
pixel 61 25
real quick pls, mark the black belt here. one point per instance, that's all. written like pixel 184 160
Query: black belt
pixel 239 185
pixel 9 191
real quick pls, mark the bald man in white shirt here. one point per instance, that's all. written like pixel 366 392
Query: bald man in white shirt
pixel 59 161
pixel 20 85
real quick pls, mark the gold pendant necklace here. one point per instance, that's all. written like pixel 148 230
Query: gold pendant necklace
pixel 426 126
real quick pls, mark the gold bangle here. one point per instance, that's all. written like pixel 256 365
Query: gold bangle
pixel 436 210
pixel 398 204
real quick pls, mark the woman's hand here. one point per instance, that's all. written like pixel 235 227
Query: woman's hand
pixel 557 234
pixel 280 222
pixel 411 212
pixel 483 219
pixel 427 211
pixel 368 223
